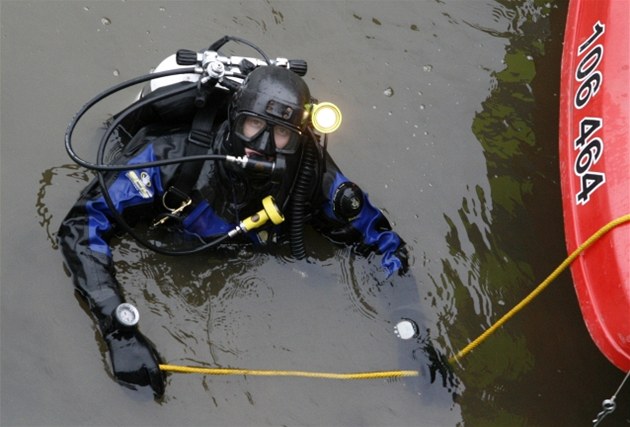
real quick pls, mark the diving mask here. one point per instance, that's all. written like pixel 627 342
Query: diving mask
pixel 265 136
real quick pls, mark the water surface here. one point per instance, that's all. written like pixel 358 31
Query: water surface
pixel 450 125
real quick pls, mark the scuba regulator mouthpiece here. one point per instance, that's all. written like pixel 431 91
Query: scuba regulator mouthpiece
pixel 252 164
pixel 275 168
pixel 270 211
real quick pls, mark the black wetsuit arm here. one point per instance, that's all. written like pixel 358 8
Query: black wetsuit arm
pixel 84 238
pixel 84 243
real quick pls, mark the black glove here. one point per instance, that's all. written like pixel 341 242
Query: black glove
pixel 403 255
pixel 134 360
pixel 439 364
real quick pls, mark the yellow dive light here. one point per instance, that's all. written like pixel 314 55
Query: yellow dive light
pixel 270 211
pixel 326 117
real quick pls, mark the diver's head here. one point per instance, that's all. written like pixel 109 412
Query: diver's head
pixel 268 114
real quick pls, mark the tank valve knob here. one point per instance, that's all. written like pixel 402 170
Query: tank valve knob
pixel 298 66
pixel 186 57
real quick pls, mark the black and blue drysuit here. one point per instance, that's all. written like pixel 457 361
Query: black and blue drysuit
pixel 219 201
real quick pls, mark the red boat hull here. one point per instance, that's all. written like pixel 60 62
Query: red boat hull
pixel 595 166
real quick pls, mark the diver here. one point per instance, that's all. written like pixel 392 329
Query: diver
pixel 265 123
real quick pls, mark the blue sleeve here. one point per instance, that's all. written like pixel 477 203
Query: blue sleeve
pixel 129 188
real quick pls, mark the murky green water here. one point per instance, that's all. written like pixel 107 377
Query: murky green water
pixel 450 124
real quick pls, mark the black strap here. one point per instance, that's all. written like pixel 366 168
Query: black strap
pixel 199 141
pixel 201 129
pixel 201 137
pixel 203 124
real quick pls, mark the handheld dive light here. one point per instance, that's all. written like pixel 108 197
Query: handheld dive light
pixel 270 211
pixel 406 329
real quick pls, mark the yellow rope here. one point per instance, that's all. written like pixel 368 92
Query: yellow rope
pixel 596 236
pixel 269 373
pixel 398 374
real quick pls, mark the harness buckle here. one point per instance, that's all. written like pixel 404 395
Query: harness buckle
pixel 173 212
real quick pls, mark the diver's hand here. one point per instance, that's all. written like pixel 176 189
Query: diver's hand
pixel 403 255
pixel 134 360
pixel 439 364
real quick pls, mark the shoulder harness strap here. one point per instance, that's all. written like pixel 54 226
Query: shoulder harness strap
pixel 199 141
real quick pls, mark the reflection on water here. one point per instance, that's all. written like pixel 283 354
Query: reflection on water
pixel 47 184
pixel 487 270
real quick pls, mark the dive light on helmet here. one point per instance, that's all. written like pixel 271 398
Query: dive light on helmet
pixel 326 117
pixel 270 211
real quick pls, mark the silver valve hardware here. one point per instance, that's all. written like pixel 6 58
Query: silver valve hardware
pixel 233 65
pixel 213 70
pixel 237 61
pixel 127 315
pixel 216 68
pixel 281 62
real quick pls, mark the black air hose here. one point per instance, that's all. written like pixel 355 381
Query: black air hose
pixel 300 201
